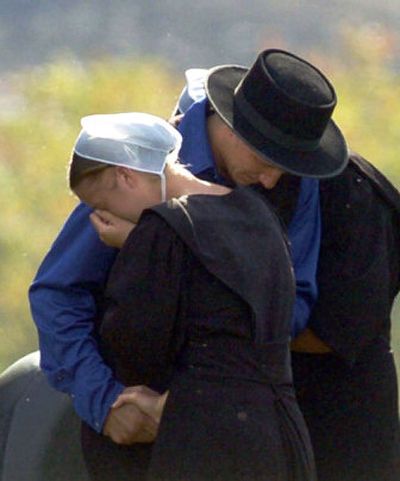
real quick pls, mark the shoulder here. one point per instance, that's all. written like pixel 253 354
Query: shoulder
pixel 150 241
pixel 358 220
pixel 360 182
pixel 152 254
pixel 151 227
pixel 381 184
pixel 218 217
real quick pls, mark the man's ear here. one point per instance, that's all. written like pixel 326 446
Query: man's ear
pixel 125 177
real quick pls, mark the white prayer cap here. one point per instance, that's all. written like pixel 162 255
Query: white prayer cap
pixel 194 89
pixel 136 140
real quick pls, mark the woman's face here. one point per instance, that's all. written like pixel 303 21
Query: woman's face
pixel 121 191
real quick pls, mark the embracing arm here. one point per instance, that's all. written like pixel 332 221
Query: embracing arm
pixel 62 299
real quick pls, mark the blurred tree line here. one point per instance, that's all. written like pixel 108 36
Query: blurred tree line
pixel 39 121
pixel 38 127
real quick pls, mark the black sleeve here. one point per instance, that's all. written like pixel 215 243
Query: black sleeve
pixel 138 329
pixel 356 270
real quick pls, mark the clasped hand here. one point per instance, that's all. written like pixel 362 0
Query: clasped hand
pixel 135 416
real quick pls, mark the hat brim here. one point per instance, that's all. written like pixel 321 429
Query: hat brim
pixel 327 160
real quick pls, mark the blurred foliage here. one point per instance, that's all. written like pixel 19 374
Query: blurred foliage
pixel 367 81
pixel 368 86
pixel 39 121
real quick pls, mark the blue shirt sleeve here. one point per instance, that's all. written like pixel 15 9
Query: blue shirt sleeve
pixel 62 301
pixel 305 237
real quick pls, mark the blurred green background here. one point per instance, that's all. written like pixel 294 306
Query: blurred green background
pixel 39 120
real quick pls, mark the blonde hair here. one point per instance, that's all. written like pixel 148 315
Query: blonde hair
pixel 79 168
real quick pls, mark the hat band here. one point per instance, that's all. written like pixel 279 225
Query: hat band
pixel 264 127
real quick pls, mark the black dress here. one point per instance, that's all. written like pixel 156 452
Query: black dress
pixel 200 302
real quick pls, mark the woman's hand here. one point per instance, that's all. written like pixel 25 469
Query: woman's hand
pixel 148 401
pixel 128 425
pixel 112 230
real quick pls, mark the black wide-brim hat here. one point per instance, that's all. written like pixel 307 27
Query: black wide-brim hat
pixel 282 108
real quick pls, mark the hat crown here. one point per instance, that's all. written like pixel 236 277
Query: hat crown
pixel 298 79
pixel 290 95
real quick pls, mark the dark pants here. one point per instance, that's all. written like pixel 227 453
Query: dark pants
pixel 352 414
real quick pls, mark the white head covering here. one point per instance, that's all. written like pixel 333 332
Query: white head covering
pixel 194 89
pixel 135 140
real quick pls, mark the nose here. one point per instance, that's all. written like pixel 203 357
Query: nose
pixel 269 178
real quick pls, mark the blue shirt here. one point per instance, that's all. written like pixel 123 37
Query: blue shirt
pixel 62 295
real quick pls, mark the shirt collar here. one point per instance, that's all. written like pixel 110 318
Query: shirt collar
pixel 196 150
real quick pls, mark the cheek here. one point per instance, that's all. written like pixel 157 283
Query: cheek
pixel 84 192
pixel 134 204
pixel 242 164
pixel 117 204
pixel 151 193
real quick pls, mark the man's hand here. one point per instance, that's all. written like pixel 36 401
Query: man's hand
pixel 308 342
pixel 148 401
pixel 127 424
pixel 112 230
pixel 175 120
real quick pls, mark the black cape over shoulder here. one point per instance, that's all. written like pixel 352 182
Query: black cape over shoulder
pixel 200 303
pixel 219 231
